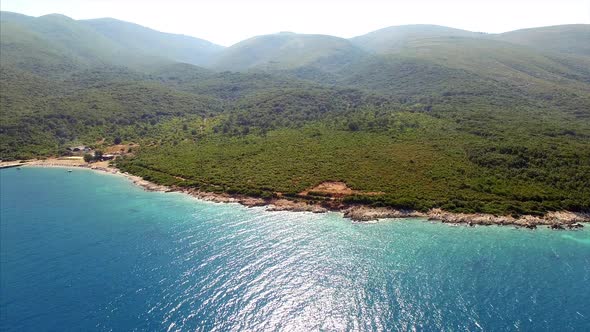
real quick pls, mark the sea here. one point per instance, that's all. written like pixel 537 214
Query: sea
pixel 87 251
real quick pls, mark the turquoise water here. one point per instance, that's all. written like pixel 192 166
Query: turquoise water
pixel 90 251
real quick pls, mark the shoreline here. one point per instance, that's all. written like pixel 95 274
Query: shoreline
pixel 356 213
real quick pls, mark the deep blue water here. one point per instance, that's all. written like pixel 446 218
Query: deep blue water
pixel 90 251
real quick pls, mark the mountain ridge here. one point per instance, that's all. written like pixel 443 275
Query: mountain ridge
pixel 115 41
pixel 392 39
pixel 285 51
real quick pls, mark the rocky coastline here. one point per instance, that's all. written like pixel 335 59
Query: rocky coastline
pixel 360 213
pixel 356 213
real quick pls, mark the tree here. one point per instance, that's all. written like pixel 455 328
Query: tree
pixel 353 126
pixel 88 157
pixel 97 155
pixel 117 140
pixel 65 152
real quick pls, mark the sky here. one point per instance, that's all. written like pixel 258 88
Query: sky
pixel 226 22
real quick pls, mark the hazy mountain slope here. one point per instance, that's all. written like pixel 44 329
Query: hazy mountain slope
pixel 490 70
pixel 571 39
pixel 78 41
pixel 100 42
pixel 435 60
pixel 510 64
pixel 394 38
pixel 146 41
pixel 287 51
pixel 15 17
pixel 24 49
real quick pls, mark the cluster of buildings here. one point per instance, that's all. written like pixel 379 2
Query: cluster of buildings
pixel 80 150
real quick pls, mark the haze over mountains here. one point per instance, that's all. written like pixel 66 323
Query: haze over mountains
pixel 499 100
pixel 109 40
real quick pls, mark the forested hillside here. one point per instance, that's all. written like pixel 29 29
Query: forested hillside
pixel 413 116
pixel 288 50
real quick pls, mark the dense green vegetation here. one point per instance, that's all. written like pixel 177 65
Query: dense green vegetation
pixel 416 161
pixel 410 117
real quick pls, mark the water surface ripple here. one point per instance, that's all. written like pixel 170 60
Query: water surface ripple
pixel 88 251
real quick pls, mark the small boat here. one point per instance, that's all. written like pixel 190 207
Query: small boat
pixel 69 171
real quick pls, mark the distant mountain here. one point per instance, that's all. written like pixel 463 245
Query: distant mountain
pixel 136 38
pixel 288 50
pixel 572 39
pixel 459 65
pixel 14 17
pixel 498 61
pixel 98 42
pixel 395 38
pixel 54 44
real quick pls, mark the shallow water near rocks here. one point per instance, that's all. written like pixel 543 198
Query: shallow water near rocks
pixel 90 251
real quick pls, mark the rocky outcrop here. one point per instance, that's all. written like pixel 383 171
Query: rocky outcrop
pixel 361 213
pixel 223 198
pixel 555 220
pixel 287 205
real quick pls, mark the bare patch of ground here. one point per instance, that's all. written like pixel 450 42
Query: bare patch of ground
pixel 335 189
pixel 119 148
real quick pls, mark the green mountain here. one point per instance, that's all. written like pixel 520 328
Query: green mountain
pixel 52 44
pixel 287 50
pixel 97 42
pixel 419 58
pixel 572 39
pixel 512 65
pixel 395 38
pixel 463 66
pixel 410 117
pixel 142 40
